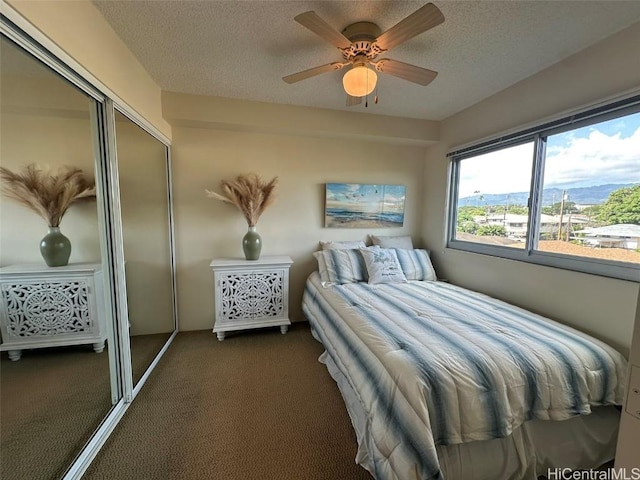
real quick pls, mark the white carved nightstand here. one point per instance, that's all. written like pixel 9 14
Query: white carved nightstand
pixel 42 306
pixel 251 293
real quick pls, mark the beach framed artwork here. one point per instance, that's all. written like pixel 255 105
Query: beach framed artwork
pixel 361 205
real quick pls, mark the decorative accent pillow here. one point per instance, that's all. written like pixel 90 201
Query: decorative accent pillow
pixel 399 241
pixel 416 264
pixel 382 265
pixel 341 266
pixel 343 245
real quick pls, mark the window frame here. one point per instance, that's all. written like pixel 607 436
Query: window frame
pixel 538 135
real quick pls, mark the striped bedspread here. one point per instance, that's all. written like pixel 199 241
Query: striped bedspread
pixel 435 364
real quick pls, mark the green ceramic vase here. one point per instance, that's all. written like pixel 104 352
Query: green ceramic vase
pixel 252 244
pixel 55 248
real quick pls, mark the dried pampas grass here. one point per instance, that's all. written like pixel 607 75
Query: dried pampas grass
pixel 48 194
pixel 249 193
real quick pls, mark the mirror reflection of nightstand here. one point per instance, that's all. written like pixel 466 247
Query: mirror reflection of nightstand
pixel 51 306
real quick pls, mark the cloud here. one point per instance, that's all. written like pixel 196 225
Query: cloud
pixel 595 158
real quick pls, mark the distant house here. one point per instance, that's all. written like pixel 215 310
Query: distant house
pixel 623 235
pixel 516 225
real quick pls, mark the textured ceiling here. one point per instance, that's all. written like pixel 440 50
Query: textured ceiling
pixel 242 49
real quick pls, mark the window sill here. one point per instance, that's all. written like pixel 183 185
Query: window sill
pixel 592 266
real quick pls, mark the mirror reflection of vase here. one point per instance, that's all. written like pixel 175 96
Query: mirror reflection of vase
pixel 54 398
pixel 48 115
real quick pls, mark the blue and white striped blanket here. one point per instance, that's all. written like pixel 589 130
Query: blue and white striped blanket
pixel 435 364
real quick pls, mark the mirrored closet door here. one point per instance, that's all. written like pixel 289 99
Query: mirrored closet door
pixel 58 374
pixel 143 171
pixel 97 323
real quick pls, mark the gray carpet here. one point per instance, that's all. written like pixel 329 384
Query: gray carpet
pixel 257 406
pixel 51 402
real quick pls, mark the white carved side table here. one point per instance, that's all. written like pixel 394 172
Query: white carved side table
pixel 251 293
pixel 44 306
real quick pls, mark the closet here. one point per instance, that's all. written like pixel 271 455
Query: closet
pixel 61 396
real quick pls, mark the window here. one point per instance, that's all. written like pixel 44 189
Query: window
pixel 489 204
pixel 565 194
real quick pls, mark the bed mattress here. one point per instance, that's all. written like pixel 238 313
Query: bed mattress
pixel 432 365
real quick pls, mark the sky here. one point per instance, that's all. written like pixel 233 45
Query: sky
pixel 608 152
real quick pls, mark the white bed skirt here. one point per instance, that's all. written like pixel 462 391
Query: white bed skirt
pixel 585 441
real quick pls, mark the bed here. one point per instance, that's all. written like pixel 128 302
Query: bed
pixel 442 382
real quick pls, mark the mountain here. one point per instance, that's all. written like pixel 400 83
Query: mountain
pixel 582 196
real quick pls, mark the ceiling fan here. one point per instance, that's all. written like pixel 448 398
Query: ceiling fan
pixel 361 43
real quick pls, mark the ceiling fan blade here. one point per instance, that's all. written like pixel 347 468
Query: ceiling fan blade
pixel 318 26
pixel 351 101
pixel 312 72
pixel 421 20
pixel 419 75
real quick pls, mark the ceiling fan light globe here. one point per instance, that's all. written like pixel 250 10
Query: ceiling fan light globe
pixel 359 81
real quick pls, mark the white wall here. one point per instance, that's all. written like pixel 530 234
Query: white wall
pixel 305 148
pixel 601 306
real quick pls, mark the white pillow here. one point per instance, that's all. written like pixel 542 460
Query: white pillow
pixel 399 241
pixel 416 264
pixel 341 266
pixel 382 265
pixel 348 244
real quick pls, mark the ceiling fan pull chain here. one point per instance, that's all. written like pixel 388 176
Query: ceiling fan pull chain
pixel 366 100
pixel 375 99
